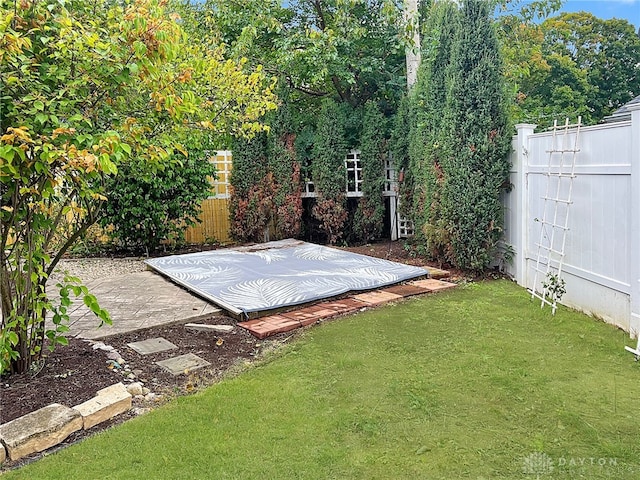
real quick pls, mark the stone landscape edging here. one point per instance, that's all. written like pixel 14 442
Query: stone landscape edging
pixel 49 426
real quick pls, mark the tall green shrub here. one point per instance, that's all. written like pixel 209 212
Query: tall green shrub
pixel 328 171
pixel 369 217
pixel 283 165
pixel 147 206
pixel 428 131
pixel 476 142
pixel 252 188
pixel 266 201
pixel 399 145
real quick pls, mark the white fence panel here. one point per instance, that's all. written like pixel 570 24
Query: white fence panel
pixel 600 266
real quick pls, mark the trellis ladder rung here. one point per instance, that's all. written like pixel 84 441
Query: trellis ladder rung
pixel 563 227
pixel 635 351
pixel 558 200
pixel 549 249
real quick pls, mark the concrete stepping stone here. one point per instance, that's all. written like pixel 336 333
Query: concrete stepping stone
pixel 183 363
pixel 152 345
pixel 201 327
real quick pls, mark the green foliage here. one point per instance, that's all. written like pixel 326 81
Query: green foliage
pixel 266 188
pixel 569 65
pixel 459 139
pixel 148 207
pixel 554 287
pixel 328 170
pixel 284 166
pixel 369 217
pixel 86 88
pixel 352 51
pixel 251 190
pixel 429 132
pixel 401 138
pixel 475 165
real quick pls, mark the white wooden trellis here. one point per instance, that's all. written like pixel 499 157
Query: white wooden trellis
pixel 554 224
pixel 220 185
pixel 401 227
pixel 354 173
pixel 353 178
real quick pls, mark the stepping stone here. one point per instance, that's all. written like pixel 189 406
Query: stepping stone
pixel 343 306
pixel 152 345
pixel 271 325
pixel 183 364
pixel 261 329
pixel 306 316
pixel 438 273
pixel 201 327
pixel 433 285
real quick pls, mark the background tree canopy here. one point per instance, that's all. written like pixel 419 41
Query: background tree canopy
pixel 572 64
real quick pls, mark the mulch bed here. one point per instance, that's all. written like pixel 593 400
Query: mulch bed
pixel 73 374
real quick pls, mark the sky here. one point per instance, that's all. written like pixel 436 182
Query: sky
pixel 626 9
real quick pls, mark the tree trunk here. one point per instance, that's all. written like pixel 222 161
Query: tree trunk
pixel 412 51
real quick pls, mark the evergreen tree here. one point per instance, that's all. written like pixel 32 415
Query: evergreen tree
pixel 328 171
pixel 399 144
pixel 428 131
pixel 283 165
pixel 369 217
pixel 474 164
pixel 251 203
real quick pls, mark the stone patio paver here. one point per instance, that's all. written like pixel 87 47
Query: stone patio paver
pixel 406 290
pixel 183 364
pixel 377 297
pixel 152 345
pixel 136 301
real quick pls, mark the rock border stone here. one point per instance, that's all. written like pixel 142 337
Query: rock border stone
pixel 47 427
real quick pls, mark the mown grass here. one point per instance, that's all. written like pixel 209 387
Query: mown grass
pixel 463 384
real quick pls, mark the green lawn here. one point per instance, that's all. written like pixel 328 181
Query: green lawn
pixel 477 383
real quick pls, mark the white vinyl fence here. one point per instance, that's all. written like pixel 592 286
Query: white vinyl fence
pixel 602 246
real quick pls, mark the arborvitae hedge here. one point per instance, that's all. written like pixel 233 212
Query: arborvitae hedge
pixel 251 203
pixel 477 140
pixel 399 146
pixel 328 171
pixel 282 163
pixel 266 198
pixel 369 217
pixel 428 133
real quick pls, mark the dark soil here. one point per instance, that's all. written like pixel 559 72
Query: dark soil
pixel 73 374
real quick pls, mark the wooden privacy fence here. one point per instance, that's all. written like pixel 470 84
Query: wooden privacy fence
pixel 214 223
